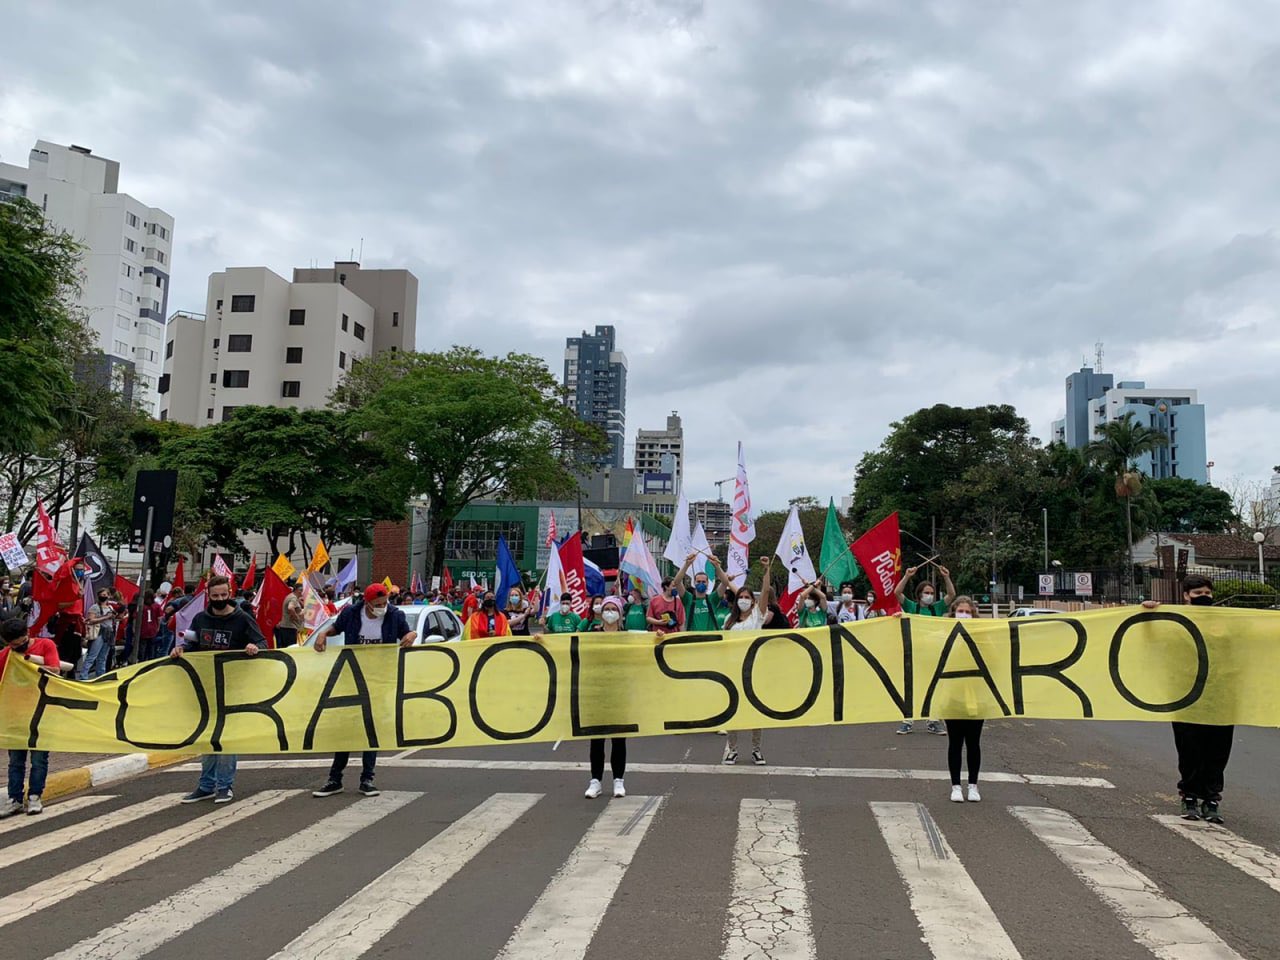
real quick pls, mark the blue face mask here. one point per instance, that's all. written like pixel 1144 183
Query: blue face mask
pixel 701 587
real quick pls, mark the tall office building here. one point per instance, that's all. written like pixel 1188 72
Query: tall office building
pixel 595 375
pixel 716 517
pixel 266 341
pixel 1083 388
pixel 660 453
pixel 127 258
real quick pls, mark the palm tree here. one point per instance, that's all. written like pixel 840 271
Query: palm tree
pixel 1116 450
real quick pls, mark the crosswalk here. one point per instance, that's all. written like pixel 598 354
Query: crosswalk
pixel 406 854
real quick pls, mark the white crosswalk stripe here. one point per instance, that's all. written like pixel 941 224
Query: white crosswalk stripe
pixel 56 889
pixel 957 921
pixel 565 918
pixel 1249 858
pixel 59 809
pixel 769 913
pixel 351 930
pixel 48 842
pixel 155 926
pixel 1160 924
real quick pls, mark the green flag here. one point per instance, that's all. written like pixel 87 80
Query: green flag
pixel 836 561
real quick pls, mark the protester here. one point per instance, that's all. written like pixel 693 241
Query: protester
pixel 44 654
pixel 926 604
pixel 635 614
pixel 486 622
pixel 152 613
pixel 666 611
pixel 592 619
pixel 811 607
pixel 291 617
pixel 1203 749
pixel 517 612
pixel 610 622
pixel 221 625
pixel 704 607
pixel 371 620
pixel 748 613
pixel 964 736
pixel 100 637
pixel 471 603
pixel 564 620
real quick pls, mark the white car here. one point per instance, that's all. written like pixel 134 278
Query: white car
pixel 433 622
pixel 1033 612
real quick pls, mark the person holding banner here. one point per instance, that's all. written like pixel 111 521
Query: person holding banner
pixel 926 604
pixel 564 620
pixel 748 613
pixel 964 736
pixel 44 653
pixel 610 622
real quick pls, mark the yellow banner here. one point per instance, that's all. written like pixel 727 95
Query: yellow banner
pixel 1174 663
pixel 283 568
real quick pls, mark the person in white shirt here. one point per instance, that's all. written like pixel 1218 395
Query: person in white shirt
pixel 748 612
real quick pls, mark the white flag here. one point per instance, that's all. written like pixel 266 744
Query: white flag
pixel 555 582
pixel 742 530
pixel 182 619
pixel 793 552
pixel 681 543
pixel 639 563
pixel 700 545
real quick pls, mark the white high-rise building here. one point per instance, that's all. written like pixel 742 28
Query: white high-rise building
pixel 127 257
pixel 661 452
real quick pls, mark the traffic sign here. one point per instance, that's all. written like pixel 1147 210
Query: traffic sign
pixel 1046 584
pixel 1084 584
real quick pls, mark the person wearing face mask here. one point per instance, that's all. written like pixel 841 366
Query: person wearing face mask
pixel 43 653
pixel 610 622
pixel 926 604
pixel 1203 749
pixel 704 606
pixel 591 622
pixel 517 612
pixel 100 637
pixel 635 612
pixel 964 736
pixel 486 622
pixel 848 609
pixel 666 611
pixel 376 620
pixel 222 625
pixel 811 607
pixel 749 613
pixel 564 620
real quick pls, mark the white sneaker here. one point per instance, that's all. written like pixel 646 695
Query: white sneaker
pixel 957 795
pixel 974 796
pixel 34 805
pixel 9 808
pixel 593 790
pixel 619 790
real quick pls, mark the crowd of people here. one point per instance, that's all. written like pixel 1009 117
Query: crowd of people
pixel 704 602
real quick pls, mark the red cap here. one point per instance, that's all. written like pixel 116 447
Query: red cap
pixel 373 591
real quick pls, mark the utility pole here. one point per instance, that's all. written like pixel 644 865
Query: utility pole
pixel 1044 512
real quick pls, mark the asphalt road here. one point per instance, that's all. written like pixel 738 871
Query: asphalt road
pixel 844 846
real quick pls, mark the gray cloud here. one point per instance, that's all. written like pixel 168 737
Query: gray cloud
pixel 806 219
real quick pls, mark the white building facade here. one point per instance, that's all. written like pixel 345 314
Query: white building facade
pixel 127 259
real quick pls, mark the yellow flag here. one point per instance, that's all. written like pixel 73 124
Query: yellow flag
pixel 283 568
pixel 386 582
pixel 319 558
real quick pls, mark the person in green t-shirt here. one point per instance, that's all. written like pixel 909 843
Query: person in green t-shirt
pixel 926 604
pixel 592 622
pixel 636 617
pixel 811 607
pixel 704 607
pixel 564 620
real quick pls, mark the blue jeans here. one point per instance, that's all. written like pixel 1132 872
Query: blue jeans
pixel 94 662
pixel 217 771
pixel 367 760
pixel 18 773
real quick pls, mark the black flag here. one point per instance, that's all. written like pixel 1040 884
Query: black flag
pixel 100 574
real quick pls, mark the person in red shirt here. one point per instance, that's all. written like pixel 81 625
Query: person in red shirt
pixel 666 610
pixel 152 615
pixel 44 653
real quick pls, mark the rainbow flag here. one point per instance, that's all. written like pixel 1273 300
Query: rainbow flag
pixel 632 582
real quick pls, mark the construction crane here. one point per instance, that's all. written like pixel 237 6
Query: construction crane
pixel 720 486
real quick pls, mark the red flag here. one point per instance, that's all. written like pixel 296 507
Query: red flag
pixel 575 576
pixel 221 569
pixel 53 586
pixel 127 589
pixel 251 574
pixel 179 575
pixel 551 529
pixel 446 581
pixel 271 604
pixel 879 553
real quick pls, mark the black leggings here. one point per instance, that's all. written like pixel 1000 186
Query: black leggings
pixel 617 758
pixel 964 735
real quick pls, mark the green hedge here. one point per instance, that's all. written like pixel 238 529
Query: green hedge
pixel 1245 593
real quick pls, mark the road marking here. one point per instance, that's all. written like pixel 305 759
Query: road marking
pixel 769 913
pixel 46 893
pixel 149 929
pixel 957 921
pixel 1160 924
pixel 717 769
pixel 48 842
pixel 562 922
pixel 364 919
pixel 51 811
pixel 1258 862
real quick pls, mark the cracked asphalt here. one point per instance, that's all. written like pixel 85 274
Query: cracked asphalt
pixel 814 875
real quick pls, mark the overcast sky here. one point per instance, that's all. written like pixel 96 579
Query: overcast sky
pixel 806 219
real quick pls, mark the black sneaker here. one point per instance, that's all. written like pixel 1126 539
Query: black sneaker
pixel 367 789
pixel 1209 811
pixel 196 795
pixel 757 758
pixel 731 757
pixel 1190 811
pixel 329 789
pixel 224 795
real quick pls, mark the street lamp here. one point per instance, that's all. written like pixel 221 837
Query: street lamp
pixel 1259 538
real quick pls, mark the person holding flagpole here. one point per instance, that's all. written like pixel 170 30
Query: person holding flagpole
pixel 926 604
pixel 811 607
pixel 703 605
pixel 748 613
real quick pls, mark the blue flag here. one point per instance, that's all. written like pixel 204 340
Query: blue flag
pixel 595 579
pixel 507 575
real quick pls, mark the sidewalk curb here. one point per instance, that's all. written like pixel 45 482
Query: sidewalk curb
pixel 65 782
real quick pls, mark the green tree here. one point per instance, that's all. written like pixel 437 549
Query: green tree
pixel 458 426
pixel 41 331
pixel 1188 507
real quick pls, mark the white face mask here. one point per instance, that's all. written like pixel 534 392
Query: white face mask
pixel 926 598
pixel 963 615
pixel 744 604
pixel 810 604
pixel 378 611
pixel 596 607
pixel 847 597
pixel 611 616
